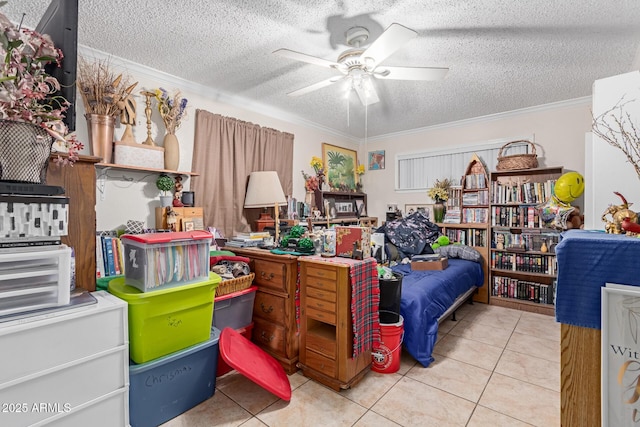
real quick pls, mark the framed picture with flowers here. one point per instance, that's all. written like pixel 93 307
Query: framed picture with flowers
pixel 341 166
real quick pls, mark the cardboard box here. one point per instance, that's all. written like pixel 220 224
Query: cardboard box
pixel 353 237
pixel 440 264
pixel 146 156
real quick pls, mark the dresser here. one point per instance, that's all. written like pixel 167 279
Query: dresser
pixel 67 368
pixel 326 330
pixel 275 328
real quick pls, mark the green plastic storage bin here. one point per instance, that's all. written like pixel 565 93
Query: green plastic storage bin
pixel 167 320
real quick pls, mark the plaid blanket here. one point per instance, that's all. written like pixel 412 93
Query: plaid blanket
pixel 365 301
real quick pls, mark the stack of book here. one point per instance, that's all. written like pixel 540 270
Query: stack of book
pixel 244 240
pixel 109 255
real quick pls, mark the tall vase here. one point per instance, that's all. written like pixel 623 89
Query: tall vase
pixel 100 127
pixel 171 152
pixel 24 152
pixel 438 212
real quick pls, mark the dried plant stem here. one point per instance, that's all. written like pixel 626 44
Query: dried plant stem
pixel 616 128
pixel 102 92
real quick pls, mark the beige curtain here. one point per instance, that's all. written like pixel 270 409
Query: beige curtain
pixel 225 152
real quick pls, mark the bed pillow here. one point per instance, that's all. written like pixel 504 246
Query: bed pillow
pixel 459 251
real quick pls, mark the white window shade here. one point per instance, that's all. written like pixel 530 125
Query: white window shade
pixel 418 171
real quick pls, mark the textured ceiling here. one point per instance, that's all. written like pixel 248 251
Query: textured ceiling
pixel 502 54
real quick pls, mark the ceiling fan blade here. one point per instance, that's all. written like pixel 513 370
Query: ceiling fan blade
pixel 366 91
pixel 316 86
pixel 391 40
pixel 305 58
pixel 410 73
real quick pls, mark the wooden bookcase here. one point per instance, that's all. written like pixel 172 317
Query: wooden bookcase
pixel 523 262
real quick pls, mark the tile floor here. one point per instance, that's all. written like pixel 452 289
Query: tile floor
pixel 494 367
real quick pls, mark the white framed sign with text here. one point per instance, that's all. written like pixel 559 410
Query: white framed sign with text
pixel 620 324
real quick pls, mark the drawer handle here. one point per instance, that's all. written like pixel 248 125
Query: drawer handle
pixel 264 337
pixel 266 310
pixel 267 277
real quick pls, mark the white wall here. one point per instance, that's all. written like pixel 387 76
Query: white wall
pixel 127 195
pixel 558 129
pixel 607 167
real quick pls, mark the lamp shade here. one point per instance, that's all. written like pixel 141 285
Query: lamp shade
pixel 264 190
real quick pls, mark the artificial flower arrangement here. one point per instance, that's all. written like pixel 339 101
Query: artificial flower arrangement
pixel 172 109
pixel 360 169
pixel 440 190
pixel 27 91
pixel 316 164
pixel 310 182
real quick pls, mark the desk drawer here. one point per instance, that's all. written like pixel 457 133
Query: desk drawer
pixel 269 335
pixel 321 294
pixel 323 316
pixel 269 307
pixel 270 275
pixel 321 273
pixel 321 305
pixel 321 363
pixel 327 285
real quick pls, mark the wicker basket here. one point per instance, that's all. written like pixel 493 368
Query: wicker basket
pixel 517 161
pixel 234 285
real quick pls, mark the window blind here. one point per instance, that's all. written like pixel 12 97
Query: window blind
pixel 418 171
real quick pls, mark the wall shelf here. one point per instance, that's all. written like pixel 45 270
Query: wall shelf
pixel 141 169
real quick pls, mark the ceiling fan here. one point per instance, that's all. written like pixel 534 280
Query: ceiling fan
pixel 360 65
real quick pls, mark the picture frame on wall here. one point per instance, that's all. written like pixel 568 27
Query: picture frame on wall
pixel 376 160
pixel 427 209
pixel 341 167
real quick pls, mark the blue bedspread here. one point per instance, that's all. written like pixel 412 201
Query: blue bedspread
pixel 426 295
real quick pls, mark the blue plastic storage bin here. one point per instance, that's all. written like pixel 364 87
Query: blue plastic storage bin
pixel 164 388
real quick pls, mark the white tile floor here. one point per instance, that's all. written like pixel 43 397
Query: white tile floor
pixel 494 367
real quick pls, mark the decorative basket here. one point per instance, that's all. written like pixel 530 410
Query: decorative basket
pixel 234 285
pixel 517 161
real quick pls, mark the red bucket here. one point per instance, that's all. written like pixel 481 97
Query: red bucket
pixel 386 354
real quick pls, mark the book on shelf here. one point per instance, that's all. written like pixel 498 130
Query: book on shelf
pixel 452 217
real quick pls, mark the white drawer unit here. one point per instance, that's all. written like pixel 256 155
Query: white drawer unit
pixel 67 368
pixel 34 278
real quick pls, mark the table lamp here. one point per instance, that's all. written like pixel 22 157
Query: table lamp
pixel 264 190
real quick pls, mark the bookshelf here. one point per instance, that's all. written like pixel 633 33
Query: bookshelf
pixel 472 228
pixel 476 236
pixel 523 261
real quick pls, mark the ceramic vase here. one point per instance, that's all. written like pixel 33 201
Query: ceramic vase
pixel 24 152
pixel 166 201
pixel 438 212
pixel 100 128
pixel 171 152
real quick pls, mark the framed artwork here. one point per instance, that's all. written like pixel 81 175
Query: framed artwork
pixel 425 208
pixel 361 209
pixel 340 165
pixel 188 225
pixel 376 160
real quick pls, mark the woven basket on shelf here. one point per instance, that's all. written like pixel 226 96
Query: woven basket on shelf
pixel 517 161
pixel 234 285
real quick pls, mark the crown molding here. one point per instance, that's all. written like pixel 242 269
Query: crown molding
pixel 256 107
pixel 488 118
pixel 167 79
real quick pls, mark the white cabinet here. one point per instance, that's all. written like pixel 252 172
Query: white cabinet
pixel 67 368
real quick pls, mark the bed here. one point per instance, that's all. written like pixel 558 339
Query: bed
pixel 429 297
